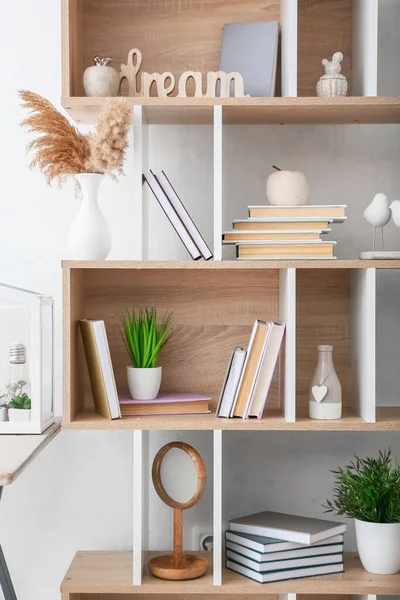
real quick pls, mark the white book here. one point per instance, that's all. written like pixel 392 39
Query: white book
pixel 99 330
pixel 184 215
pixel 278 565
pixel 284 575
pixel 260 391
pixel 305 551
pixel 172 215
pixel 266 545
pixel 231 382
pixel 290 528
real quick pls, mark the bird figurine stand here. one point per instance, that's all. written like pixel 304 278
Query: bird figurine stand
pixel 178 566
pixel 378 214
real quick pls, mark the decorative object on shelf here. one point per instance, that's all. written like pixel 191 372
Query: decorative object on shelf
pixel 332 84
pixel 166 82
pixel 178 566
pixel 90 235
pixel 59 151
pixel 144 340
pixel 325 392
pixel 378 214
pixel 26 368
pixel 287 188
pixel 252 50
pixel 368 491
pixel 20 408
pixel 101 80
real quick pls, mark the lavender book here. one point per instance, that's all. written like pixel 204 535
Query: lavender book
pixel 165 404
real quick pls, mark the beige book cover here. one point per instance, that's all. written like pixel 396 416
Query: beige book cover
pixel 279 224
pixel 336 212
pixel 94 368
pixel 285 250
pixel 232 237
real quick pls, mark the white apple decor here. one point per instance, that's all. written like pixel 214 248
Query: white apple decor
pixel 287 188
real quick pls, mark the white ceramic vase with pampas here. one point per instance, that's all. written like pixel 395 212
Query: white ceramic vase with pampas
pixel 61 151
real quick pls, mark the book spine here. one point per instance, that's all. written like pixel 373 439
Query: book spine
pixel 260 414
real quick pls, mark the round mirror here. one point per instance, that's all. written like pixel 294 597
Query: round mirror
pixel 178 475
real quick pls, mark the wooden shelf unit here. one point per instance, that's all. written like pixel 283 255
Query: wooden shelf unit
pixel 340 310
pixel 111 573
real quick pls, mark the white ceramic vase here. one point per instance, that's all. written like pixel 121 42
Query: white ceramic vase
pixel 3 414
pixel 144 384
pixel 287 188
pixel 90 234
pixel 19 415
pixel 379 547
pixel 101 81
pixel 325 401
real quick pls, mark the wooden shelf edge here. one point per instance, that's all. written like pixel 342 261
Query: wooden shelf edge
pixel 232 264
pixel 388 419
pixel 312 110
pixel 111 572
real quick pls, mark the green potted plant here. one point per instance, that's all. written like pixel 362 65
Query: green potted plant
pixel 368 490
pixel 144 340
pixel 20 408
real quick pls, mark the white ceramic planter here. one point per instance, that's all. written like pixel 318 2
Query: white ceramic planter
pixel 3 415
pixel 379 546
pixel 287 188
pixel 90 234
pixel 144 384
pixel 19 415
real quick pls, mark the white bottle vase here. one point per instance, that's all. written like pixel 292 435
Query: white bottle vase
pixel 90 234
pixel 325 390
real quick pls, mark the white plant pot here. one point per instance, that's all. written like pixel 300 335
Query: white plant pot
pixel 144 384
pixel 19 415
pixel 3 415
pixel 379 547
pixel 90 234
pixel 287 188
pixel 101 81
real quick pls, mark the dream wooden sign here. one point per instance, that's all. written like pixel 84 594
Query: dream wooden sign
pixel 165 82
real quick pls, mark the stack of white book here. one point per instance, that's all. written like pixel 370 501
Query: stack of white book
pixel 271 546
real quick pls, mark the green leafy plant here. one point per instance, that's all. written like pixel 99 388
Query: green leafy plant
pixel 368 490
pixel 22 402
pixel 144 339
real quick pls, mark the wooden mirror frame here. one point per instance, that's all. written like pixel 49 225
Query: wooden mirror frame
pixel 179 566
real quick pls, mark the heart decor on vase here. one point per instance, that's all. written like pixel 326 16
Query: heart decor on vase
pixel 319 392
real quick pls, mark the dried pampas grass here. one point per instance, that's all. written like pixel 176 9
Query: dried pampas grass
pixel 60 150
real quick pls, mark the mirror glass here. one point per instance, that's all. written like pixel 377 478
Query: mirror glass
pixel 178 475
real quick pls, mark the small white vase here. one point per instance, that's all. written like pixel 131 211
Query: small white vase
pixel 379 547
pixel 144 384
pixel 90 234
pixel 325 400
pixel 19 415
pixel 3 414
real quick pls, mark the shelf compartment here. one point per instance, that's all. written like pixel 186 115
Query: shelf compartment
pixel 249 111
pixel 111 573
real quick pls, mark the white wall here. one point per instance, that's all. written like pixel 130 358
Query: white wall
pixel 77 494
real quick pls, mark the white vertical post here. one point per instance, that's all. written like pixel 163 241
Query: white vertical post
pixel 365 48
pixel 138 505
pixel 363 337
pixel 217 182
pixel 365 597
pixel 217 501
pixel 289 11
pixel 287 596
pixel 287 314
pixel 139 207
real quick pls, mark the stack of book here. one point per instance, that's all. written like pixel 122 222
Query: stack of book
pixel 271 546
pixel 285 232
pixel 102 381
pixel 248 378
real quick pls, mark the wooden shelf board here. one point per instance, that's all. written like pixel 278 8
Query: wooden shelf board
pixel 249 111
pixel 111 572
pixel 232 264
pixel 388 419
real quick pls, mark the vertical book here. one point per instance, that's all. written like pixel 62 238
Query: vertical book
pixel 101 373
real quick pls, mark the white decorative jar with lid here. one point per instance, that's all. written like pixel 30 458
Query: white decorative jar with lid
pixel 325 400
pixel 332 84
pixel 101 80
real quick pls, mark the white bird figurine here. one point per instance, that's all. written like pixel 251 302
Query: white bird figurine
pixel 378 214
pixel 395 208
